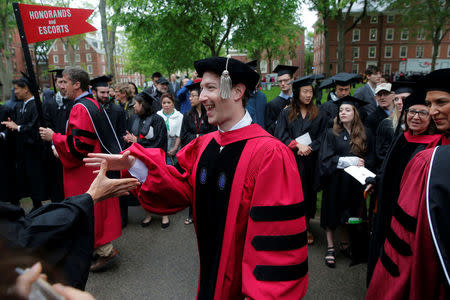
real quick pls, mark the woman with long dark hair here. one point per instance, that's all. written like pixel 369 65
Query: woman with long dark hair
pixel 195 124
pixel 149 130
pixel 348 143
pixel 300 126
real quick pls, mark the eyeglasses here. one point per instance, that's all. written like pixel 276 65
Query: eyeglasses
pixel 421 113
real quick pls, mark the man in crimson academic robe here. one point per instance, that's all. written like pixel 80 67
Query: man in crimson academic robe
pixel 244 188
pixel 88 131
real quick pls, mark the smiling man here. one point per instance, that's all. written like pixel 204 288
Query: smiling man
pixel 250 224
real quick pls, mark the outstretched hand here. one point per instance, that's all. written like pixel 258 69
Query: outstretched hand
pixel 115 162
pixel 103 187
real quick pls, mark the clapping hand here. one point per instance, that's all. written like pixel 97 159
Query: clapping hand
pixel 115 162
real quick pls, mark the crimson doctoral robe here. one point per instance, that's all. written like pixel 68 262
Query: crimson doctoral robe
pixel 80 139
pixel 411 264
pixel 247 201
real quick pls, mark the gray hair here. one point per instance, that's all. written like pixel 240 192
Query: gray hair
pixel 78 75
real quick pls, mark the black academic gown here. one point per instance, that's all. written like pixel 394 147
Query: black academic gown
pixel 330 109
pixel 342 194
pixel 7 159
pixel 118 120
pixel 383 140
pixel 30 172
pixel 375 118
pixel 273 110
pixel 56 117
pixel 389 177
pixel 151 132
pixel 61 233
pixel 193 125
pixel 287 132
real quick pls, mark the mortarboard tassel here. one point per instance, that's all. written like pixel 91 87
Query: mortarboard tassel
pixel 225 82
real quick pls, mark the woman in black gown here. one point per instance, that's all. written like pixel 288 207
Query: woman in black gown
pixel 417 137
pixel 149 130
pixel 300 126
pixel 348 143
pixel 195 123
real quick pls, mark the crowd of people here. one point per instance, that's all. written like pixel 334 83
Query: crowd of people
pixel 213 143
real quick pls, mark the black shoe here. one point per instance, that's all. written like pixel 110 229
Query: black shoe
pixel 146 224
pixel 165 225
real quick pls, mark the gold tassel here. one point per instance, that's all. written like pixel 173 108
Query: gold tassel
pixel 225 82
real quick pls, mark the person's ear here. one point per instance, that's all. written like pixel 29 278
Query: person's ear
pixel 237 92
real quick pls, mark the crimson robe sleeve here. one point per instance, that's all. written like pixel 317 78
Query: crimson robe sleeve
pixel 275 260
pixel 408 267
pixel 166 190
pixel 80 140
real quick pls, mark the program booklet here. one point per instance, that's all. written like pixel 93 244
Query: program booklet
pixel 359 173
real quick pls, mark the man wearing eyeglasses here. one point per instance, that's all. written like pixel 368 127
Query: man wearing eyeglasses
pixel 385 100
pixel 274 107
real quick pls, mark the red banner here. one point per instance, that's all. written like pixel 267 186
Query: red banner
pixel 43 23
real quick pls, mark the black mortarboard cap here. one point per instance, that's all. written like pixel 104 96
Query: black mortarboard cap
pixel 304 81
pixel 351 100
pixel 400 87
pixel 100 81
pixel 416 98
pixel 253 64
pixel 238 71
pixel 344 79
pixel 284 69
pixel 146 95
pixel 438 80
pixel 58 72
pixel 316 76
pixel 162 80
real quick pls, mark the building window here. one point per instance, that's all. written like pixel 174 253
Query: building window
pixel 89 68
pixel 389 34
pixel 64 47
pixel 388 51
pixel 373 34
pixel 421 34
pixel 403 51
pixel 356 35
pixel 77 57
pixel 448 51
pixel 55 59
pixel 355 18
pixel 355 52
pixel 374 20
pixel 405 35
pixel 263 66
pixel 104 69
pixel 55 47
pixel 419 51
pixel 355 68
pixel 66 58
pixel 275 63
pixel 387 68
pixel 103 58
pixel 390 19
pixel 86 46
pixel 76 47
pixel 372 52
pixel 88 57
pixel 289 62
pixel 438 51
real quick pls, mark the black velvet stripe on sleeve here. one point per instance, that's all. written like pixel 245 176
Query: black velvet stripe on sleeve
pixel 408 222
pixel 281 273
pixel 277 213
pixel 279 242
pixel 398 244
pixel 72 148
pixel 390 266
pixel 84 133
pixel 83 146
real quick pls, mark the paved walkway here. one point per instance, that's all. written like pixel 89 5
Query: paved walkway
pixel 160 263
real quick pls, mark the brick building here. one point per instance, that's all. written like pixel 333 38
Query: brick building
pixel 378 39
pixel 89 54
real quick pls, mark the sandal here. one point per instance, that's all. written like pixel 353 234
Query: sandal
pixel 330 257
pixel 345 249
pixel 188 221
pixel 310 237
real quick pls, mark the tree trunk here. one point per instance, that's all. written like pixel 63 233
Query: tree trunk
pixel 6 75
pixel 326 36
pixel 436 42
pixel 341 43
pixel 106 44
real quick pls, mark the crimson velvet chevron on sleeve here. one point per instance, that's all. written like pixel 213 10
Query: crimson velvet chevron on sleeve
pixel 247 201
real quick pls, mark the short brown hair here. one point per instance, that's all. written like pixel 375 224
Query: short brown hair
pixel 124 88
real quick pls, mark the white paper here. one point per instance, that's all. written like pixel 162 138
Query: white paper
pixel 304 139
pixel 359 173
